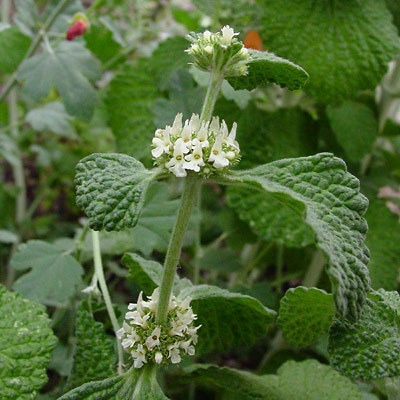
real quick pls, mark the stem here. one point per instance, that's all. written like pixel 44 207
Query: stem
pixel 198 250
pixel 175 247
pixel 315 269
pixel 214 86
pixel 34 45
pixel 98 267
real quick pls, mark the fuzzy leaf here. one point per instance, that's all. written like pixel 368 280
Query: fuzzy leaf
pixel 13 46
pixel 265 68
pixel 329 198
pixel 111 189
pixel 383 242
pixel 369 348
pixel 54 276
pixel 26 342
pixel 305 314
pixel 130 102
pixel 307 380
pixel 355 127
pixel 94 356
pixel 228 320
pixel 344 45
pixel 69 68
pixel 51 117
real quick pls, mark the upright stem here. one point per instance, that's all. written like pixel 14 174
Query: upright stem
pixel 175 246
pixel 35 44
pixel 197 250
pixel 98 267
pixel 214 87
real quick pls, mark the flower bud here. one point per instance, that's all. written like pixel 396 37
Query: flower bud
pixel 78 26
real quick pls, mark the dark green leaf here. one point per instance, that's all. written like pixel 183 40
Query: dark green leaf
pixel 54 276
pixel 94 356
pixel 344 45
pixel 26 342
pixel 111 189
pixel 305 314
pixel 228 319
pixel 13 47
pixel 369 348
pixel 265 68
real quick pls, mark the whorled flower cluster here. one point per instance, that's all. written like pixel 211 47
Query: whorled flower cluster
pixel 221 50
pixel 202 147
pixel 146 341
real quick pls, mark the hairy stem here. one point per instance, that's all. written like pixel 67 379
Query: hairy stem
pixel 175 246
pixel 98 267
pixel 198 250
pixel 214 86
pixel 35 44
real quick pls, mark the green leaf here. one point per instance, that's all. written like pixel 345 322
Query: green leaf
pixel 328 197
pixel 147 274
pixel 355 126
pixel 68 68
pixel 26 16
pixel 26 342
pixel 54 276
pixel 106 389
pixel 383 240
pixel 305 314
pixel 228 320
pixel 369 348
pixel 239 384
pixel 130 100
pixel 307 380
pixel 94 356
pixel 134 384
pixel 111 189
pixel 344 45
pixel 13 47
pixel 265 68
pixel 223 260
pixel 266 137
pixel 51 117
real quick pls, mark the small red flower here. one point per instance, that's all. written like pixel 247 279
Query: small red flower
pixel 78 28
pixel 253 40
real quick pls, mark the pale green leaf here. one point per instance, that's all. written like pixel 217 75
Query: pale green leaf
pixel 369 348
pixel 94 356
pixel 328 197
pixel 111 189
pixel 54 276
pixel 355 126
pixel 69 68
pixel 8 236
pixel 307 380
pixel 222 260
pixel 13 46
pixel 229 320
pixel 26 342
pixel 383 240
pixel 305 314
pixel 130 99
pixel 26 16
pixel 344 45
pixel 51 117
pixel 265 68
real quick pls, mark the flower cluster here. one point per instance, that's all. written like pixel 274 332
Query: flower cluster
pixel 203 147
pixel 221 51
pixel 146 341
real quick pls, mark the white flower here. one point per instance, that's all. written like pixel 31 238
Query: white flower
pixel 177 329
pixel 158 357
pixel 176 164
pixel 208 49
pixel 231 139
pixel 227 35
pixel 188 347
pixel 195 160
pixel 186 137
pixel 207 35
pixel 202 136
pixel 139 356
pixel 161 145
pixel 177 125
pixel 218 156
pixel 174 353
pixel 154 339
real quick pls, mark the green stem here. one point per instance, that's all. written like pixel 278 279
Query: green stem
pixel 214 86
pixel 35 44
pixel 98 267
pixel 175 247
pixel 198 250
pixel 80 242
